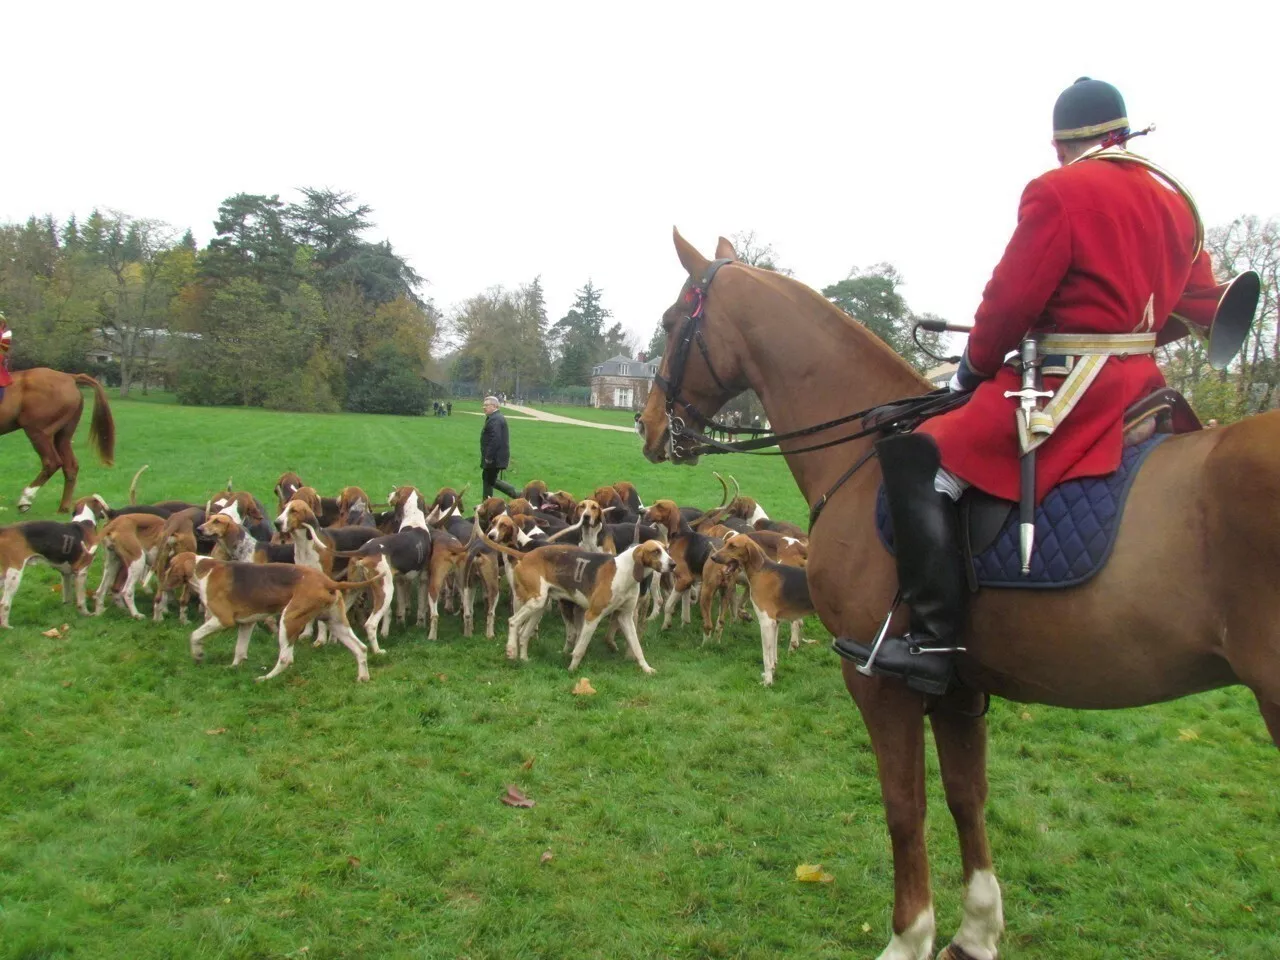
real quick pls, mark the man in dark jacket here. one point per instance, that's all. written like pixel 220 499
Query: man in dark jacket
pixel 495 450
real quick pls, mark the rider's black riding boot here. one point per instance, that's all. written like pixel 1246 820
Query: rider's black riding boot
pixel 930 569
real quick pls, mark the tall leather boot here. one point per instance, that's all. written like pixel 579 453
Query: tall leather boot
pixel 930 570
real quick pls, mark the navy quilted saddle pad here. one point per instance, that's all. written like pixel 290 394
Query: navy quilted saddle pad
pixel 1076 527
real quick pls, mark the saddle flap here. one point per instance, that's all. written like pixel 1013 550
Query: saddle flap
pixel 982 517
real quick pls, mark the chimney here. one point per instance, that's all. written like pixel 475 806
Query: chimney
pixel 642 356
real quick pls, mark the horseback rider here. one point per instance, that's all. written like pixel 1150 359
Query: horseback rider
pixel 6 341
pixel 1108 245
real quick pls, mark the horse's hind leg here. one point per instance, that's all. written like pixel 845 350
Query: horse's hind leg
pixel 962 755
pixel 895 721
pixel 1271 714
pixel 49 464
pixel 70 465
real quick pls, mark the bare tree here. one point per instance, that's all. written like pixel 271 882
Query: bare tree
pixel 755 252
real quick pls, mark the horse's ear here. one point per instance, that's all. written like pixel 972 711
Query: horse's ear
pixel 693 262
pixel 725 251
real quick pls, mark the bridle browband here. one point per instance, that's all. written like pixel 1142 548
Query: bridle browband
pixel 904 415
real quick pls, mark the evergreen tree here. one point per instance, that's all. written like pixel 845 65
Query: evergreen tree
pixel 71 234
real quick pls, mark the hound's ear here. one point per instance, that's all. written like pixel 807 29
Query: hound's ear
pixel 725 251
pixel 693 262
pixel 639 569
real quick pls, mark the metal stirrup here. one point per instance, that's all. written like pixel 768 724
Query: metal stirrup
pixel 865 669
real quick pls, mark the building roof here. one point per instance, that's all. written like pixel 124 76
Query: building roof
pixel 615 367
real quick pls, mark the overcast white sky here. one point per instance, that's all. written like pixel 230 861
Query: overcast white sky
pixel 498 141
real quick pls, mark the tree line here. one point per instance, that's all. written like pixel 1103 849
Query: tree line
pixel 289 306
pixel 286 307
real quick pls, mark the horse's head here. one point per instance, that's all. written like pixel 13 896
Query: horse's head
pixel 702 365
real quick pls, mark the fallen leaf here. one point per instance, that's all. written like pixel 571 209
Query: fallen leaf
pixel 548 856
pixel 216 731
pixel 51 634
pixel 56 588
pixel 64 628
pixel 527 765
pixel 583 688
pixel 353 862
pixel 514 797
pixel 812 873
pixel 1188 734
pixel 66 683
pixel 866 928
pixel 1026 715
pixel 442 677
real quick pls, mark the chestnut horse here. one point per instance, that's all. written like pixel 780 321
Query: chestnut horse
pixel 47 404
pixel 1189 600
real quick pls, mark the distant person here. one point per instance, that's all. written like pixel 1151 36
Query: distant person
pixel 6 341
pixel 495 450
pixel 448 409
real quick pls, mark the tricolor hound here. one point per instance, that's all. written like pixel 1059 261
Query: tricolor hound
pixel 778 592
pixel 243 594
pixel 598 583
pixel 67 546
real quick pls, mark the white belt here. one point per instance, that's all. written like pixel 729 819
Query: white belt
pixel 1090 351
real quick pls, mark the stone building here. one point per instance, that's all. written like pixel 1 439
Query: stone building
pixel 621 383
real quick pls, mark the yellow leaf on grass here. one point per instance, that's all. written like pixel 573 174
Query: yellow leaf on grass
pixel 547 857
pixel 866 928
pixel 1188 734
pixel 812 873
pixel 583 688
pixel 51 634
pixel 216 731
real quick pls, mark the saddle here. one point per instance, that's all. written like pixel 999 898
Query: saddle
pixel 1078 520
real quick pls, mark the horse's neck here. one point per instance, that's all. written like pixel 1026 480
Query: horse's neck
pixel 822 365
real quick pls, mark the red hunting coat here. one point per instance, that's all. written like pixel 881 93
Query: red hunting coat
pixel 6 338
pixel 1096 241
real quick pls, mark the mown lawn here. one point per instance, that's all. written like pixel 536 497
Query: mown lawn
pixel 157 809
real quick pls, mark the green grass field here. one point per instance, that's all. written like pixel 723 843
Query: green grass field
pixel 155 809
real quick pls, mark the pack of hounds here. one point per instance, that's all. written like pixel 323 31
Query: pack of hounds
pixel 316 564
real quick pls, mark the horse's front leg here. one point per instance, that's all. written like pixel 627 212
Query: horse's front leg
pixel 894 716
pixel 961 739
pixel 49 465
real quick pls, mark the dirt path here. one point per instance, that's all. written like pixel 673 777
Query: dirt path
pixel 533 413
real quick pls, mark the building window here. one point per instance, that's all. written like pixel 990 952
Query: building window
pixel 626 369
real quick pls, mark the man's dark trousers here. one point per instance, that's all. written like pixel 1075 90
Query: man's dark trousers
pixel 491 479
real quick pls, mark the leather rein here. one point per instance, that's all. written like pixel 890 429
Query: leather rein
pixel 896 416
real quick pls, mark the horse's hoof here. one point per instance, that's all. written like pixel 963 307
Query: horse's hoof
pixel 24 507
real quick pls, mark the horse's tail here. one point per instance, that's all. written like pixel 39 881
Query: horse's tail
pixel 102 430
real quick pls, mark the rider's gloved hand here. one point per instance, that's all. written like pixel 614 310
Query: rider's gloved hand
pixel 964 379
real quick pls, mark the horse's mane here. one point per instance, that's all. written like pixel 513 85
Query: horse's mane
pixel 806 298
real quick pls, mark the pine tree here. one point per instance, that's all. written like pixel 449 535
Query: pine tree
pixel 71 234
